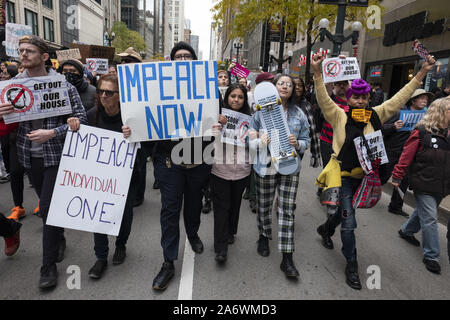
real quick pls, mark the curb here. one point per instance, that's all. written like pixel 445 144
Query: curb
pixel 443 213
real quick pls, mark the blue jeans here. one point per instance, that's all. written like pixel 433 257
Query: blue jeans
pixel 425 217
pixel 346 217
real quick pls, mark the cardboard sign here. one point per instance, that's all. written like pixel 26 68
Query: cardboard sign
pixel 169 100
pixel 97 65
pixel 235 131
pixel 410 118
pixel 337 69
pixel 13 34
pixel 64 55
pixel 35 98
pixel 376 145
pixel 93 179
pixel 239 71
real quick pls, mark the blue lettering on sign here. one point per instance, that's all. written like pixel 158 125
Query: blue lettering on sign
pixel 122 86
pixel 162 78
pixel 179 78
pixel 145 78
pixel 175 117
pixel 151 121
pixel 192 123
pixel 101 150
pixel 160 124
pixel 103 211
pixel 194 78
pixel 212 79
pixel 133 80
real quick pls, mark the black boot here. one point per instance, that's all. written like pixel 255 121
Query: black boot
pixel 263 246
pixel 324 232
pixel 351 275
pixel 287 266
pixel 163 278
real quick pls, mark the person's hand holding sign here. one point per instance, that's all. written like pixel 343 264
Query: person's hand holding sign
pixel 316 64
pixel 265 140
pixel 6 108
pixel 398 124
pixel 293 141
pixel 74 123
pixel 126 130
pixel 222 119
pixel 41 135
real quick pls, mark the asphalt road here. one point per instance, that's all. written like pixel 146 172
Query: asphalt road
pixel 246 275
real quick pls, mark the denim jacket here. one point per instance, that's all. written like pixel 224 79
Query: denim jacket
pixel 298 126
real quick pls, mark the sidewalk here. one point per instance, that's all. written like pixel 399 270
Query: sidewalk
pixel 444 208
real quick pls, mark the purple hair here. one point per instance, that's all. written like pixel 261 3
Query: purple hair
pixel 359 86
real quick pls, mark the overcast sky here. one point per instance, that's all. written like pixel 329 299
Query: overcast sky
pixel 198 11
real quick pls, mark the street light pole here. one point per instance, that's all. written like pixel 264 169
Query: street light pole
pixel 338 39
pixel 237 46
pixel 339 36
pixel 281 53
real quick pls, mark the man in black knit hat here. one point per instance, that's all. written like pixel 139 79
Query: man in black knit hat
pixel 74 71
pixel 181 186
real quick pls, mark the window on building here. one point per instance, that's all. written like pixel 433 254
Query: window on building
pixel 99 2
pixel 49 33
pixel 10 12
pixel 31 19
pixel 48 3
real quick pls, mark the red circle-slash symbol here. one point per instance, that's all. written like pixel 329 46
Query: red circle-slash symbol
pixel 19 96
pixel 332 68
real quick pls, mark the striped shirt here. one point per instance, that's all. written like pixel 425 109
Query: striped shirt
pixel 326 134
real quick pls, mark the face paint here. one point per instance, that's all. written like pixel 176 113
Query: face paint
pixel 361 115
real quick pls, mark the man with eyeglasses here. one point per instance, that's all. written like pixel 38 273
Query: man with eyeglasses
pixel 39 147
pixel 180 185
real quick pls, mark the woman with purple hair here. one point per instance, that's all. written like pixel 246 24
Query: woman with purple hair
pixel 360 119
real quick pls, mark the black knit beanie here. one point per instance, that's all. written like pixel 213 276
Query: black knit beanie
pixel 75 63
pixel 180 46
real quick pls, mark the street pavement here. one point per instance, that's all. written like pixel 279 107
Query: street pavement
pixel 246 275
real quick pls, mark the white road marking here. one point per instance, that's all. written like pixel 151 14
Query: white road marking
pixel 187 273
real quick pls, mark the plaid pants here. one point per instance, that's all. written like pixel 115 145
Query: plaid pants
pixel 287 187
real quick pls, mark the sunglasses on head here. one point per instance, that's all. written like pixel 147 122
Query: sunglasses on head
pixel 108 93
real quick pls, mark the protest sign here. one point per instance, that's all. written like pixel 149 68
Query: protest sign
pixel 410 118
pixel 97 65
pixel 64 55
pixel 35 98
pixel 13 33
pixel 169 100
pixel 337 69
pixel 235 131
pixel 239 71
pixel 92 183
pixel 376 145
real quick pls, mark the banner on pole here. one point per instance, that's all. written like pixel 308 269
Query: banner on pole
pixel 93 178
pixel 169 100
pixel 35 98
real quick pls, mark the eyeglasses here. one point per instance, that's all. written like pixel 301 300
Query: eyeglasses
pixel 27 51
pixel 186 56
pixel 108 93
pixel 282 83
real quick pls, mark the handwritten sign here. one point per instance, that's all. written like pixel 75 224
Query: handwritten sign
pixel 239 71
pixel 13 33
pixel 169 100
pixel 97 65
pixel 64 55
pixel 410 118
pixel 337 69
pixel 93 179
pixel 35 98
pixel 235 131
pixel 376 145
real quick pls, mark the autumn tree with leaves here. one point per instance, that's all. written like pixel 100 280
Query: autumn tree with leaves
pixel 239 17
